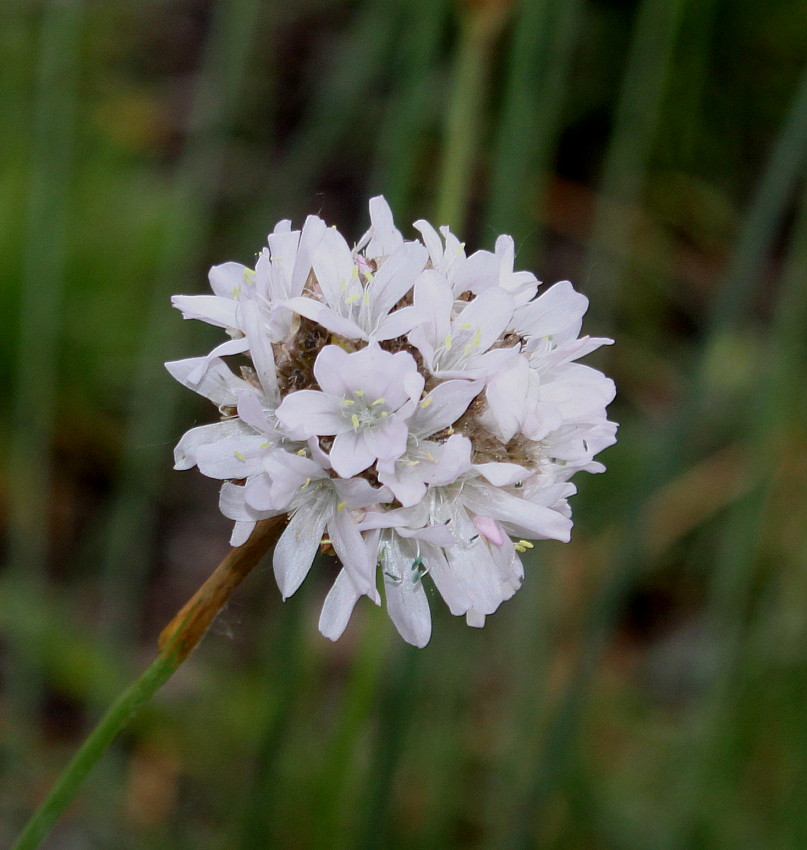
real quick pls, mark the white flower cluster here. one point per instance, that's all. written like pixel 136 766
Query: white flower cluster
pixel 416 410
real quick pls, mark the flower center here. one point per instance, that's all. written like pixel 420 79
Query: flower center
pixel 363 412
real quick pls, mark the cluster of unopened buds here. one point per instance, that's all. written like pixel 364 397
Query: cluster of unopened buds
pixel 414 410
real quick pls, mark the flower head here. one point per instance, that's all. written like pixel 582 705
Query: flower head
pixel 417 411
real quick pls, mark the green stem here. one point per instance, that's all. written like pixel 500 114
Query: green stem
pixel 177 641
pixel 116 718
pixel 481 25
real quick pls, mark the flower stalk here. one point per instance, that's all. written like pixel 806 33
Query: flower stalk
pixel 176 642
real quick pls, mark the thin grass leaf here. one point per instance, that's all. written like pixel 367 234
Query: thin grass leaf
pixel 37 373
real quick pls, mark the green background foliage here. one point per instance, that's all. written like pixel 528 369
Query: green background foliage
pixel 647 687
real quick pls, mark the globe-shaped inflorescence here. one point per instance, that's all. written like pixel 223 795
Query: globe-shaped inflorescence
pixel 414 410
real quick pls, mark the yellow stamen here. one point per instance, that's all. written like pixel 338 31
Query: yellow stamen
pixel 447 342
pixel 354 275
pixel 526 544
pixel 520 548
pixel 384 413
pixel 477 337
pixel 355 420
pixel 426 401
pixel 450 430
pixel 239 456
pixel 341 506
pixel 348 401
pixel 466 326
pixel 305 483
pixel 366 299
pixel 301 452
pixel 351 298
pixel 265 445
pixel 358 393
pixel 378 401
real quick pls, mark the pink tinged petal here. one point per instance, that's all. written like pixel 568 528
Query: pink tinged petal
pixel 350 454
pixel 454 460
pixel 251 411
pixel 511 395
pixel 295 551
pixel 334 268
pixel 394 279
pixel 434 302
pixel 218 382
pixel 233 505
pixel 541 421
pixel 311 413
pixel 359 493
pixel 258 494
pixel 502 474
pixel 397 324
pixel 486 366
pixel 282 256
pixel 338 606
pixel 537 521
pixel 232 346
pixel 475 619
pixel 405 482
pixel 352 551
pixel 478 273
pixel 443 406
pixel 558 309
pixel 488 314
pixel 445 580
pixel 581 394
pixel 384 236
pixel 323 315
pixel 208 308
pixel 408 609
pixel 388 441
pixel 333 371
pixel 488 528
pixel 314 229
pixel 193 440
pixel 233 457
pixel 474 570
pixel 260 349
pixel 228 279
pixel 290 474
pixel 241 533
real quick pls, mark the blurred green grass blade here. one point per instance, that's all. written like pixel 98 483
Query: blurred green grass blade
pixel 543 43
pixel 636 118
pixel 358 704
pixel 37 367
pixel 338 107
pixel 394 721
pixel 480 27
pixel 154 397
pixel 732 583
pixel 410 111
pixel 280 660
pixel 761 226
pixel 560 737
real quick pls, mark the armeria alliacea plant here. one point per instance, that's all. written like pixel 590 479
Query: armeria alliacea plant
pixel 416 410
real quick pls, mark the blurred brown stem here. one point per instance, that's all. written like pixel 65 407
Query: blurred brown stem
pixel 191 622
